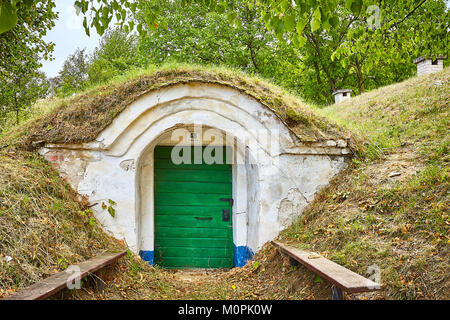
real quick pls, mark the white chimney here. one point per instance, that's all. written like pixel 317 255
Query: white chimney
pixel 427 65
pixel 343 94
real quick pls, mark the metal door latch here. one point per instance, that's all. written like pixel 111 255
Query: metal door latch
pixel 226 215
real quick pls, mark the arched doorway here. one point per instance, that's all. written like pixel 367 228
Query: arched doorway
pixel 196 214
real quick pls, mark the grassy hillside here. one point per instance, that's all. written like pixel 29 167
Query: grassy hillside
pixel 43 226
pixel 390 208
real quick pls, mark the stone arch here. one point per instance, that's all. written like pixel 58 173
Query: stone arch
pixel 155 106
pixel 240 175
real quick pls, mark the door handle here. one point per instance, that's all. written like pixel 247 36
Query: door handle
pixel 203 218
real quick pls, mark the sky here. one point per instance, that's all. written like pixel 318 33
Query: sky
pixel 68 35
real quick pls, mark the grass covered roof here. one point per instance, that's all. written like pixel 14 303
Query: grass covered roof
pixel 81 117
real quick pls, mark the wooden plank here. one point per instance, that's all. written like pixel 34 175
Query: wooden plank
pixel 49 286
pixel 192 187
pixel 192 199
pixel 199 175
pixel 196 154
pixel 196 211
pixel 342 277
pixel 165 164
pixel 188 232
pixel 194 242
pixel 191 221
pixel 199 252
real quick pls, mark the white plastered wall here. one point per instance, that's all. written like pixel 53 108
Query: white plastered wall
pixel 273 179
pixel 427 67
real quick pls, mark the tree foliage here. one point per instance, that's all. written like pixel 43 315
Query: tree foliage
pixel 19 92
pixel 21 50
pixel 73 75
pixel 116 54
pixel 197 35
pixel 23 45
pixel 313 47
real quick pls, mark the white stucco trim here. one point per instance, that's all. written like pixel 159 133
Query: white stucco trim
pixel 145 175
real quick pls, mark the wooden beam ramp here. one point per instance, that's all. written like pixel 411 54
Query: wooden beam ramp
pixel 342 278
pixel 59 281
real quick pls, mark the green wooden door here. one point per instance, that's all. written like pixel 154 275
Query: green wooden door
pixel 190 228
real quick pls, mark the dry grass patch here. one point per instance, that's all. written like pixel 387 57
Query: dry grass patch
pixel 267 276
pixel 43 226
pixel 390 208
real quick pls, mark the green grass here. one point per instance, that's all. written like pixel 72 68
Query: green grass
pixel 401 224
pixel 411 113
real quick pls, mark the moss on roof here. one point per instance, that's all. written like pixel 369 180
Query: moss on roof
pixel 82 117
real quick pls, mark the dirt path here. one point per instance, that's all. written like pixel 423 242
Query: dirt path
pixel 269 276
pixel 199 275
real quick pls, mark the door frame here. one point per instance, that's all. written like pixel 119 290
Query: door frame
pixel 145 203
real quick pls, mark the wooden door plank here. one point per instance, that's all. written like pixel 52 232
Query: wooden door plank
pixel 342 277
pixel 198 252
pixel 166 164
pixel 213 221
pixel 165 152
pixel 192 187
pixel 195 262
pixel 191 210
pixel 192 199
pixel 193 242
pixel 199 175
pixel 188 232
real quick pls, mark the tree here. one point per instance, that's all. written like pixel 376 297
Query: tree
pixel 20 91
pixel 21 49
pixel 366 50
pixel 353 43
pixel 74 73
pixel 282 16
pixel 197 35
pixel 23 45
pixel 402 34
pixel 116 54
